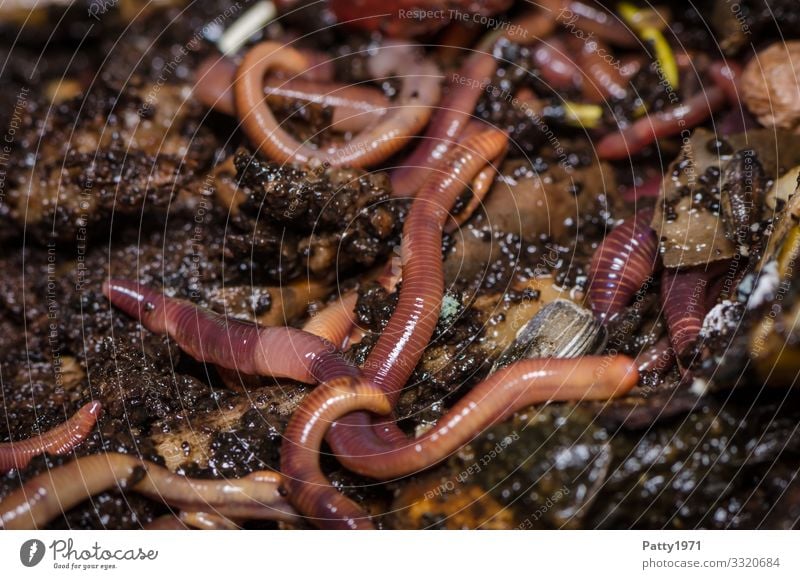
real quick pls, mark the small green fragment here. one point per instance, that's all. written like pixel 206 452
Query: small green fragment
pixel 450 307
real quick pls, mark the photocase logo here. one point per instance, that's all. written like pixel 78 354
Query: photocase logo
pixel 31 553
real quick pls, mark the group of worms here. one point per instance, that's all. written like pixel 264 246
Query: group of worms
pixel 351 408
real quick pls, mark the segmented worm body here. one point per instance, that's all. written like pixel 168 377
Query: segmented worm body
pixel 411 326
pixel 667 123
pixel 45 496
pixel 686 296
pixel 621 265
pixel 281 352
pixel 419 92
pixel 334 322
pixel 447 124
pixel 60 440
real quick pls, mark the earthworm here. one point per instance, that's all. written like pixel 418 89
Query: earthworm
pixel 572 14
pixel 667 123
pixel 449 120
pixel 59 440
pixel 621 265
pixel 411 326
pixel 508 390
pixel 335 321
pixel 354 107
pixel 420 90
pixel 480 184
pixel 308 487
pixel 408 332
pixel 685 296
pixel 282 352
pixel 45 496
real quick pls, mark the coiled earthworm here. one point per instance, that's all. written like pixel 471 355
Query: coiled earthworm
pixel 60 440
pixel 281 352
pixel 686 295
pixel 667 123
pixel 448 122
pixel 621 265
pixel 335 321
pixel 514 387
pixel 354 107
pixel 45 496
pixel 420 90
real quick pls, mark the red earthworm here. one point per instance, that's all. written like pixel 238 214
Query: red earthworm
pixel 685 297
pixel 451 116
pixel 354 107
pixel 572 14
pixel 409 330
pixel 60 440
pixel 411 326
pixel 45 496
pixel 726 76
pixel 419 92
pixel 555 66
pixel 602 79
pixel 480 184
pixel 281 352
pixel 508 390
pixel 658 358
pixel 621 265
pixel 335 321
pixel 673 121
